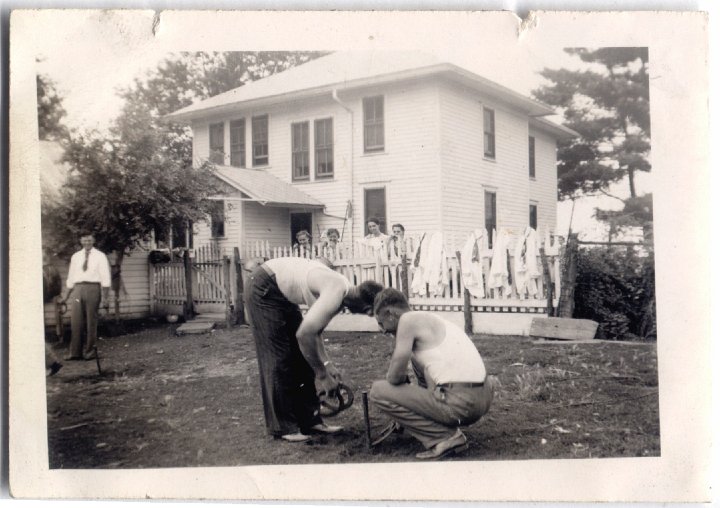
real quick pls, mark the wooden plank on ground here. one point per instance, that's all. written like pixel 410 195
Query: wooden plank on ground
pixel 563 328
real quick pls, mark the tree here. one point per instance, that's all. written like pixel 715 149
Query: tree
pixel 50 110
pixel 608 105
pixel 140 178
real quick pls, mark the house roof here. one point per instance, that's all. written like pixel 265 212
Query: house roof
pixel 560 131
pixel 347 70
pixel 265 188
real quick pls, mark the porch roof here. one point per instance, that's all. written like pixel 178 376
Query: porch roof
pixel 265 188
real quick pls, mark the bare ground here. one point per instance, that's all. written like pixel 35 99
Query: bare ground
pixel 182 401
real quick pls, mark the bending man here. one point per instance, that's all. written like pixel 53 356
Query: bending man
pixel 451 390
pixel 294 366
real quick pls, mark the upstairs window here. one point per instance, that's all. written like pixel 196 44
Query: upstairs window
pixel 217 219
pixel 374 123
pixel 532 221
pixel 260 149
pixel 237 143
pixel 489 132
pixel 300 151
pixel 531 156
pixel 324 148
pixel 217 143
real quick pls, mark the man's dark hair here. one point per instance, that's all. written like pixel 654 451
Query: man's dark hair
pixel 402 228
pixel 333 230
pixel 364 297
pixel 389 297
pixel 373 219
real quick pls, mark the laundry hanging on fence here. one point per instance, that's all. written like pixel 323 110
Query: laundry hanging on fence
pixel 526 266
pixel 499 273
pixel 472 268
pixel 431 273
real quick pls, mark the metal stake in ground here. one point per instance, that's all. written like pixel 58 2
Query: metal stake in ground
pixel 366 415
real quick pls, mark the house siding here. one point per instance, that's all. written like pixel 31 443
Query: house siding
pixel 467 173
pixel 136 279
pixel 432 168
pixel 407 169
pixel 202 234
pixel 543 189
pixel 266 223
pixel 409 166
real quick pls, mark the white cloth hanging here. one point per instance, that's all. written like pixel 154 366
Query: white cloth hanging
pixel 526 270
pixel 472 273
pixel 499 275
pixel 436 273
pixel 431 274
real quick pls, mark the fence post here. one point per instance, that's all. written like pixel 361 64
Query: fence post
pixel 239 290
pixel 566 302
pixel 466 300
pixel 547 282
pixel 188 309
pixel 228 299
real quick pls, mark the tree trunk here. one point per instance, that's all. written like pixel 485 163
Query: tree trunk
pixel 117 284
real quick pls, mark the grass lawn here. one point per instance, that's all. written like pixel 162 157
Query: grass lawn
pixel 169 401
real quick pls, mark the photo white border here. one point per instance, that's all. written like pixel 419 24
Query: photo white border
pixel 679 116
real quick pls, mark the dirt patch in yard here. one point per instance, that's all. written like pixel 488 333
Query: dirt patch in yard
pixel 187 401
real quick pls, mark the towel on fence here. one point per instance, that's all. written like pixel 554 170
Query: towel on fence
pixel 499 274
pixel 526 265
pixel 472 269
pixel 431 274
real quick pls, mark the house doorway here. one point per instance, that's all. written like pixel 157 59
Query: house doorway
pixel 298 222
pixel 375 207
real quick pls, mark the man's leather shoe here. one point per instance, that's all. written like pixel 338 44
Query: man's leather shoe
pixel 55 367
pixel 297 437
pixel 90 356
pixel 324 428
pixel 454 444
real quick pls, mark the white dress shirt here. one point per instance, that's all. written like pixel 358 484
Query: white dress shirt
pixel 98 269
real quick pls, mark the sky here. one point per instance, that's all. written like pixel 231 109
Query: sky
pixel 88 77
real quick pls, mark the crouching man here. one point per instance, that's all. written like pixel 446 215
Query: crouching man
pixel 294 366
pixel 451 390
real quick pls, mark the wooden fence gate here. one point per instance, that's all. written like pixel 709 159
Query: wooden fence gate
pixel 197 284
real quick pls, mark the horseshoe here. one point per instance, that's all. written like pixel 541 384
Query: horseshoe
pixel 343 399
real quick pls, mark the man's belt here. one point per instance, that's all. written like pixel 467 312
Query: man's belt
pixel 461 385
pixel 85 282
pixel 267 269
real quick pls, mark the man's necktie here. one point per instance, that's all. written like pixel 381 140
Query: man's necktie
pixel 85 264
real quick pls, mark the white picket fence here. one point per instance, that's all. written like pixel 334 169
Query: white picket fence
pixel 360 263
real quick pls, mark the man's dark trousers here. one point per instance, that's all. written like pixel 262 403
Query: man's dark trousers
pixel 287 381
pixel 84 316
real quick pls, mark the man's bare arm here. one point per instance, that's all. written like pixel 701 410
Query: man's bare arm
pixel 404 340
pixel 314 322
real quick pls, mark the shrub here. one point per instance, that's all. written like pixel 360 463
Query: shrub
pixel 616 287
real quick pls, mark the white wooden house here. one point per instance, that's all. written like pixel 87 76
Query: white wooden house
pixel 398 136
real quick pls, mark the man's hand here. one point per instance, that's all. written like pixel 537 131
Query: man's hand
pixel 327 385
